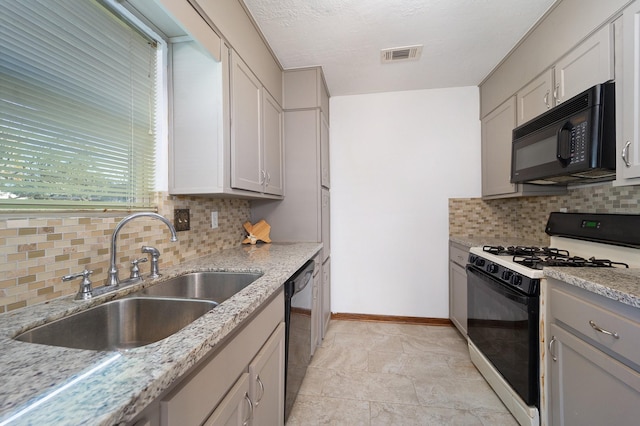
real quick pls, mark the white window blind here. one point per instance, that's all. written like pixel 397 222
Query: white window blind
pixel 77 107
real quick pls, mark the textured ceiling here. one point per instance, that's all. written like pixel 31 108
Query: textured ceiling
pixel 463 39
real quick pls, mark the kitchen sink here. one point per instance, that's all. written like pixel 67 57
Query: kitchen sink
pixel 209 285
pixel 120 324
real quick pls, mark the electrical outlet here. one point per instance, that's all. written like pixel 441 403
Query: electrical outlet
pixel 181 219
pixel 214 220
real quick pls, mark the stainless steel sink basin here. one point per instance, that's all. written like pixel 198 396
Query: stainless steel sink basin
pixel 120 324
pixel 216 286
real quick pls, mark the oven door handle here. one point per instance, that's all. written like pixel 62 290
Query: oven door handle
pixel 499 287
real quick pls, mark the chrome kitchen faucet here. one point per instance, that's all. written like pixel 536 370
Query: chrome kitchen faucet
pixel 112 279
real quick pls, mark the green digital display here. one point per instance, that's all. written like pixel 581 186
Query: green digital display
pixel 590 224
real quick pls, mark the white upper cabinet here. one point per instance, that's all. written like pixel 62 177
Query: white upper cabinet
pixel 497 129
pixel 324 152
pixel 272 145
pixel 246 144
pixel 226 117
pixel 535 98
pixel 628 93
pixel 197 142
pixel 496 150
pixel 256 133
pixel 590 63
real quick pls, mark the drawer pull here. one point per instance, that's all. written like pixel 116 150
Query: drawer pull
pixel 551 342
pixel 602 330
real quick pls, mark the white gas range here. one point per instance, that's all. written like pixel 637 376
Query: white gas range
pixel 505 321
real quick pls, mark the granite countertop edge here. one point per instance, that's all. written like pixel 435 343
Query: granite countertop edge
pixel 51 385
pixel 620 284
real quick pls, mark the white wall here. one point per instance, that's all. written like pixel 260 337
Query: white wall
pixel 396 159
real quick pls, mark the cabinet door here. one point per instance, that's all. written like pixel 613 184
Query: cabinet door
pixel 236 408
pixel 272 145
pixel 629 163
pixel 496 149
pixel 535 98
pixel 589 387
pixel 326 296
pixel 324 151
pixel 326 223
pixel 588 64
pixel 316 313
pixel 246 144
pixel 458 297
pixel 267 381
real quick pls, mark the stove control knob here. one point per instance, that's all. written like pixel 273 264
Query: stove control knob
pixel 472 258
pixel 516 280
pixel 506 275
pixel 479 262
pixel 492 268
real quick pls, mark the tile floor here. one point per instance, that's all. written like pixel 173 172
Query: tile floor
pixel 371 373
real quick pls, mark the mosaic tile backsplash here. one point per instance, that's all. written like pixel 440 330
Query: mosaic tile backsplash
pixel 526 217
pixel 36 252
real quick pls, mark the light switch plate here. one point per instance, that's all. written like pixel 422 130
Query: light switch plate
pixel 214 220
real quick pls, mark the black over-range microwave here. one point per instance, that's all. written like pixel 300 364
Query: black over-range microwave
pixel 574 141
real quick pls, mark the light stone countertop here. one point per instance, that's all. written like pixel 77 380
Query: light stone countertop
pixel 619 284
pixel 53 385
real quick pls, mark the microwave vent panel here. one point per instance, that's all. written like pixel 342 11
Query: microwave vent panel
pixel 401 54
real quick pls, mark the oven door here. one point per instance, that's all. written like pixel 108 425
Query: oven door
pixel 503 325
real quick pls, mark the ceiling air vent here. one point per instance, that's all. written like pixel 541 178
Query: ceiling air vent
pixel 398 54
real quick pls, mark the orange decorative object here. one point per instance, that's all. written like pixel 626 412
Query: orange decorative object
pixel 258 232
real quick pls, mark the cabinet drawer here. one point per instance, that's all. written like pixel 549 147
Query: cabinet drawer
pixel 579 314
pixel 458 255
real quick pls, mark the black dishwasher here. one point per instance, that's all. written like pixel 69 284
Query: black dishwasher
pixel 298 297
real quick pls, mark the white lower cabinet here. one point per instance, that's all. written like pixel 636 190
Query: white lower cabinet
pixel 242 383
pixel 257 398
pixel 236 408
pixel 589 387
pixel 594 376
pixel 458 286
pixel 326 296
pixel 267 381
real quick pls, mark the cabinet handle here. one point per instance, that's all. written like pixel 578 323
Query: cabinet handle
pixel 603 331
pixel 625 154
pixel 268 178
pixel 551 342
pixel 261 390
pixel 546 99
pixel 263 177
pixel 250 414
pixel 555 93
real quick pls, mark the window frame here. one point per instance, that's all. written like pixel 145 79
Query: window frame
pixel 148 30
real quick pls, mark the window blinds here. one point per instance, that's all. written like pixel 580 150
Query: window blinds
pixel 77 107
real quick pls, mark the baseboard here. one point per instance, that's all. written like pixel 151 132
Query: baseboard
pixel 392 318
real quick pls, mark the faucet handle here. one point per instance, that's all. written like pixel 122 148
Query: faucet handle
pixel 135 270
pixel 155 254
pixel 86 291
